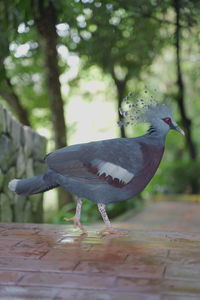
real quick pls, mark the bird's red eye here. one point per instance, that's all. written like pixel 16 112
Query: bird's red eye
pixel 167 120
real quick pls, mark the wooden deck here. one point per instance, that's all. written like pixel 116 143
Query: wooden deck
pixel 159 259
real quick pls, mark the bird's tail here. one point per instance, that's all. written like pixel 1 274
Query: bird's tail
pixel 29 186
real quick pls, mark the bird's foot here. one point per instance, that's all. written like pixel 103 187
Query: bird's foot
pixel 76 223
pixel 110 230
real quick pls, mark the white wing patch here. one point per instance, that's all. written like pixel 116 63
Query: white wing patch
pixel 115 171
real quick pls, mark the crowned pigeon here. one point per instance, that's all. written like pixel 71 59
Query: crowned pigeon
pixel 110 170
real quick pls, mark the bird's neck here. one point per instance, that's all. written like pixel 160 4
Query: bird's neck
pixel 156 134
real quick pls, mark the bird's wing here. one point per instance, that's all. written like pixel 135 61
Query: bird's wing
pixel 114 161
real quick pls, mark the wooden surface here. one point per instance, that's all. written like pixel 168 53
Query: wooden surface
pixel 159 259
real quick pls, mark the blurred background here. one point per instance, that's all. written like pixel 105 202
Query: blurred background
pixel 65 67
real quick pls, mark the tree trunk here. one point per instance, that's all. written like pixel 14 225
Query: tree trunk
pixel 7 92
pixel 181 94
pixel 121 85
pixel 45 19
pixel 121 88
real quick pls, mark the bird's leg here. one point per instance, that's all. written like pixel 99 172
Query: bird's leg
pixel 104 215
pixel 76 218
pixel 106 220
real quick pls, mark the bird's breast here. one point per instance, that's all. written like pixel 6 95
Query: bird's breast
pixel 151 157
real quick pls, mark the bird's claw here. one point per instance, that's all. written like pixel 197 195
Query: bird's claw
pixel 76 223
pixel 110 230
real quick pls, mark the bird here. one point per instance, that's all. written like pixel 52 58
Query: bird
pixel 107 171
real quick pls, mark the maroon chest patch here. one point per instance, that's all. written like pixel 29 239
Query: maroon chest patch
pixel 152 156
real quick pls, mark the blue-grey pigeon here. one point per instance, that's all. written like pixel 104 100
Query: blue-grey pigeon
pixel 110 170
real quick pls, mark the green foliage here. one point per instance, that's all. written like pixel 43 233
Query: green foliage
pixel 177 177
pixel 25 62
pixel 127 44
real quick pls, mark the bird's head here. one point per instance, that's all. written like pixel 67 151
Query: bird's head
pixel 161 118
pixel 149 110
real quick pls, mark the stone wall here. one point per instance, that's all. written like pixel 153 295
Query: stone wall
pixel 21 155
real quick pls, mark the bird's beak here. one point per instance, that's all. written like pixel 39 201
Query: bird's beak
pixel 177 128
